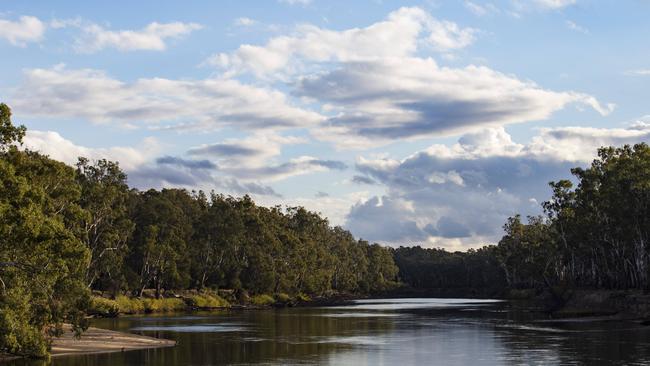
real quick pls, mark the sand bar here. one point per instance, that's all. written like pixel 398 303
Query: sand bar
pixel 96 340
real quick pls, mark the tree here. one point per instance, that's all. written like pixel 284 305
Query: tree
pixel 106 225
pixel 42 259
pixel 9 134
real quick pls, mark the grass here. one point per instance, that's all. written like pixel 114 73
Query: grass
pixel 303 297
pixel 207 300
pixel 104 307
pixel 282 298
pixel 125 305
pixel 262 300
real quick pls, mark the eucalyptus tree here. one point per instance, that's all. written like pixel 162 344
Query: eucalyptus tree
pixel 42 259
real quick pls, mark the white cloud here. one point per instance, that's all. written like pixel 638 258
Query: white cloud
pixel 397 36
pixel 251 152
pixel 57 147
pixel 400 98
pixel 448 36
pixel 297 166
pixel 183 104
pixel 143 168
pixel 245 22
pixel 481 9
pixel 460 195
pixel 333 208
pixel 153 37
pixel 255 158
pixel 580 143
pixel 22 31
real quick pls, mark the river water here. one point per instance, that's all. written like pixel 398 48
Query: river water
pixel 380 332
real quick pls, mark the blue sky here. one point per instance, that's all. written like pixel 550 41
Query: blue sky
pixel 406 122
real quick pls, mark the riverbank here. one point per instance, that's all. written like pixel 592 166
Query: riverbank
pixel 558 303
pixel 187 301
pixel 96 340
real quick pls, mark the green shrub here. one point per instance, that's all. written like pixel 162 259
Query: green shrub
pixel 130 306
pixel 103 306
pixel 283 298
pixel 163 305
pixel 206 300
pixel 303 297
pixel 262 300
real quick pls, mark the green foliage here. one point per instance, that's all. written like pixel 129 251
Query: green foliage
pixel 439 269
pixel 283 298
pixel 104 307
pixel 106 226
pixel 262 300
pixel 302 297
pixel 42 259
pixel 128 305
pixel 163 305
pixel 9 134
pixel 595 234
pixel 66 231
pixel 207 301
pixel 125 305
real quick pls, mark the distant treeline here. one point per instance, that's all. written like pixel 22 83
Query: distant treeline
pixel 593 235
pixel 65 231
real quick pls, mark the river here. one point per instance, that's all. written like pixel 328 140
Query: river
pixel 379 332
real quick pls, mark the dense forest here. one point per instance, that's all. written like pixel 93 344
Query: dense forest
pixel 594 234
pixel 65 231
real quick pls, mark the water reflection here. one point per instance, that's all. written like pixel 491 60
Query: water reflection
pixel 380 332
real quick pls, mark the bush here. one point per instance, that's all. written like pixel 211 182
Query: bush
pixel 262 300
pixel 125 305
pixel 206 300
pixel 130 306
pixel 163 305
pixel 283 298
pixel 303 297
pixel 104 307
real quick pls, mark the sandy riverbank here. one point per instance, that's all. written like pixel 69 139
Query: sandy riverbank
pixel 96 340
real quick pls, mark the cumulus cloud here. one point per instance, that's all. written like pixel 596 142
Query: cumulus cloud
pixel 460 195
pixel 145 168
pixel 296 166
pixel 192 164
pixel 253 151
pixel 174 172
pixel 207 104
pixel 397 36
pixel 255 158
pixel 25 30
pixel 360 179
pixel 414 97
pixel 59 148
pixel 153 37
pixel 334 208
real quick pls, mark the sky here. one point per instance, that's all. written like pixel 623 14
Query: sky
pixel 408 123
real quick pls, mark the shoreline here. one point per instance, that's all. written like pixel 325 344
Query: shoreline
pixel 98 341
pixel 603 305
